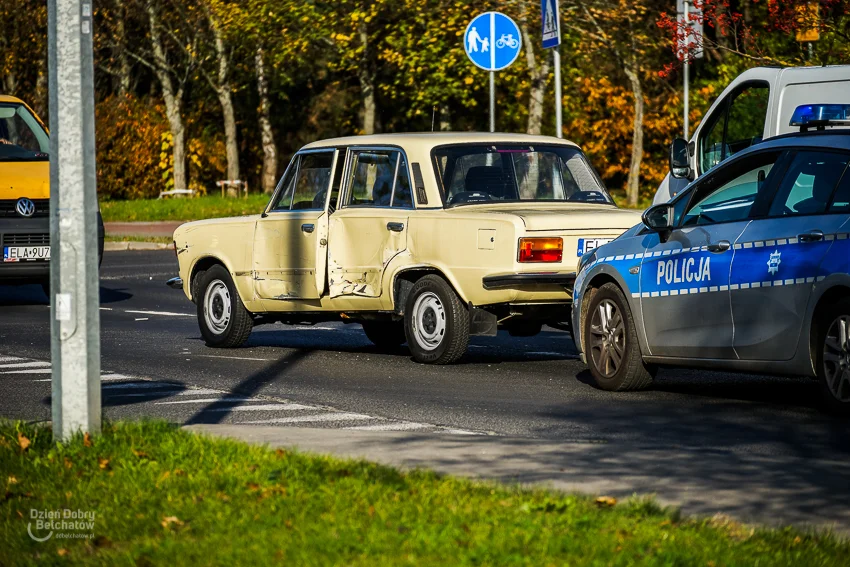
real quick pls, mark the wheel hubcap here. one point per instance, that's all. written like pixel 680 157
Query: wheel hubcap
pixel 429 321
pixel 836 358
pixel 217 307
pixel 607 338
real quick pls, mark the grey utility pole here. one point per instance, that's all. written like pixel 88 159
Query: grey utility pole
pixel 687 66
pixel 75 317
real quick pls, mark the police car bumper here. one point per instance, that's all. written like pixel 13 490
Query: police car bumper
pixel 524 280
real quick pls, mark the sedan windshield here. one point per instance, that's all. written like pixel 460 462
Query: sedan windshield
pixel 511 173
pixel 21 136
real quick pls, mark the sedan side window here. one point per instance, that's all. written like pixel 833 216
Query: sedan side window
pixel 808 186
pixel 729 195
pixel 305 184
pixel 379 178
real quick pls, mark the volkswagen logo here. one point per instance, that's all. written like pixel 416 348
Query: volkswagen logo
pixel 25 207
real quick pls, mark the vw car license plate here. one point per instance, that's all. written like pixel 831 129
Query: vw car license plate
pixel 585 245
pixel 25 253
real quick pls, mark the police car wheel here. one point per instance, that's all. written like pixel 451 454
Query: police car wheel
pixel 436 322
pixel 612 349
pixel 222 317
pixel 833 361
pixel 385 334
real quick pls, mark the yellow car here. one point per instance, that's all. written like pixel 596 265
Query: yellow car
pixel 421 238
pixel 25 196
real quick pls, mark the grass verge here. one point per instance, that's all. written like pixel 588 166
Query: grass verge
pixel 156 239
pixel 147 210
pixel 163 496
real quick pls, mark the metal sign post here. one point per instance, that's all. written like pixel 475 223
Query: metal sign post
pixel 552 39
pixel 690 46
pixel 75 318
pixel 492 42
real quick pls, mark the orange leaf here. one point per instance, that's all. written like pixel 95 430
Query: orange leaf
pixel 606 500
pixel 23 442
pixel 62 552
pixel 103 463
pixel 87 439
pixel 168 520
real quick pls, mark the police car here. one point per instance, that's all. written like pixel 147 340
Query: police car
pixel 748 269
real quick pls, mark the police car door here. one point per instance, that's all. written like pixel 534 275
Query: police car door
pixel 685 278
pixel 778 257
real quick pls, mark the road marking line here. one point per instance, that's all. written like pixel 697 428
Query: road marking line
pixel 163 313
pixel 25 365
pixel 142 319
pixel 201 392
pixel 404 426
pixel 29 371
pixel 110 376
pixel 140 385
pixel 145 395
pixel 232 357
pixel 10 358
pixel 265 407
pixel 211 400
pixel 462 432
pixel 316 417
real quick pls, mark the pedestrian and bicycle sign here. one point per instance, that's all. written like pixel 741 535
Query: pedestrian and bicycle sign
pixel 492 41
pixel 551 23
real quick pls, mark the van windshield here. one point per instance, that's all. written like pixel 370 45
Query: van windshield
pixel 21 136
pixel 511 173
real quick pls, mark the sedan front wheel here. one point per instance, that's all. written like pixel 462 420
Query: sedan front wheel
pixel 223 319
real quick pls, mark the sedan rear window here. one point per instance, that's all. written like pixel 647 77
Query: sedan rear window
pixel 510 173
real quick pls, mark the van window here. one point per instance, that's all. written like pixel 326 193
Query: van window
pixel 809 183
pixel 737 125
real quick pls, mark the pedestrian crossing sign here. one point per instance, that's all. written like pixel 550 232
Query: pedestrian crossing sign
pixel 551 23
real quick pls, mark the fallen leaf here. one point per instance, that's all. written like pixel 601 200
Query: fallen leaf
pixel 68 463
pixel 23 442
pixel 168 520
pixel 606 500
pixel 87 439
pixel 180 472
pixel 253 486
pixel 11 480
pixel 141 454
pixel 165 475
pixel 103 463
pixel 280 453
pixel 62 552
pixel 288 524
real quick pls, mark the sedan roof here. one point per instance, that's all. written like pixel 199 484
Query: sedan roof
pixel 427 140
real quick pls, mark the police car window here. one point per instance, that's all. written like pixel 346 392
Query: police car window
pixel 841 200
pixel 808 184
pixel 721 199
pixel 375 174
pixel 473 174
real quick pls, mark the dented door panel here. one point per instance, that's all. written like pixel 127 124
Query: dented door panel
pixel 361 244
pixel 285 255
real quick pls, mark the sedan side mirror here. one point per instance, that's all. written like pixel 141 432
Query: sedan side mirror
pixel 680 163
pixel 659 218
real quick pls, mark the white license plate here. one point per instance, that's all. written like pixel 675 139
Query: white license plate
pixel 585 245
pixel 25 253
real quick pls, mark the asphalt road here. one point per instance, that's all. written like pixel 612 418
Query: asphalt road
pixel 535 389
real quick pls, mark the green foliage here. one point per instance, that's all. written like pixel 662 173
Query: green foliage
pixel 164 496
pixel 182 209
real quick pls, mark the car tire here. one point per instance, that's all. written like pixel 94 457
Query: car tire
pixel 611 344
pixel 386 335
pixel 833 357
pixel 436 322
pixel 222 317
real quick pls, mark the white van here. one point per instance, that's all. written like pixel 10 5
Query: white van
pixel 757 105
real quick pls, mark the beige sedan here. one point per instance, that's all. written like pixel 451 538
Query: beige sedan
pixel 420 238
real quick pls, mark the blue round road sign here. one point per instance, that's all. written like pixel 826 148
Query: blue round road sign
pixel 492 41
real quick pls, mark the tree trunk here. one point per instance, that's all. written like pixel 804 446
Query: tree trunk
pixel 269 147
pixel 123 79
pixel 445 121
pixel 225 98
pixel 539 74
pixel 367 85
pixel 173 101
pixel 10 83
pixel 633 187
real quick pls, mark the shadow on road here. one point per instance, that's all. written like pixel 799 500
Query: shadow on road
pixel 23 295
pixel 116 394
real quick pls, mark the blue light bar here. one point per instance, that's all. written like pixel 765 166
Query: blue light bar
pixel 806 113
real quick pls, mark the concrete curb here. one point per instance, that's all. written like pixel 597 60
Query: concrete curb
pixel 118 246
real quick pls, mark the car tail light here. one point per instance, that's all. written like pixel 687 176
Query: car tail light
pixel 541 249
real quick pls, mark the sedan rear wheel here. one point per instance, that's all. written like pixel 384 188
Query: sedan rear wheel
pixel 436 322
pixel 611 345
pixel 834 356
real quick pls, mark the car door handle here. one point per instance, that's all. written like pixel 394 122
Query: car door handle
pixel 719 247
pixel 811 236
pixel 308 228
pixel 395 226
